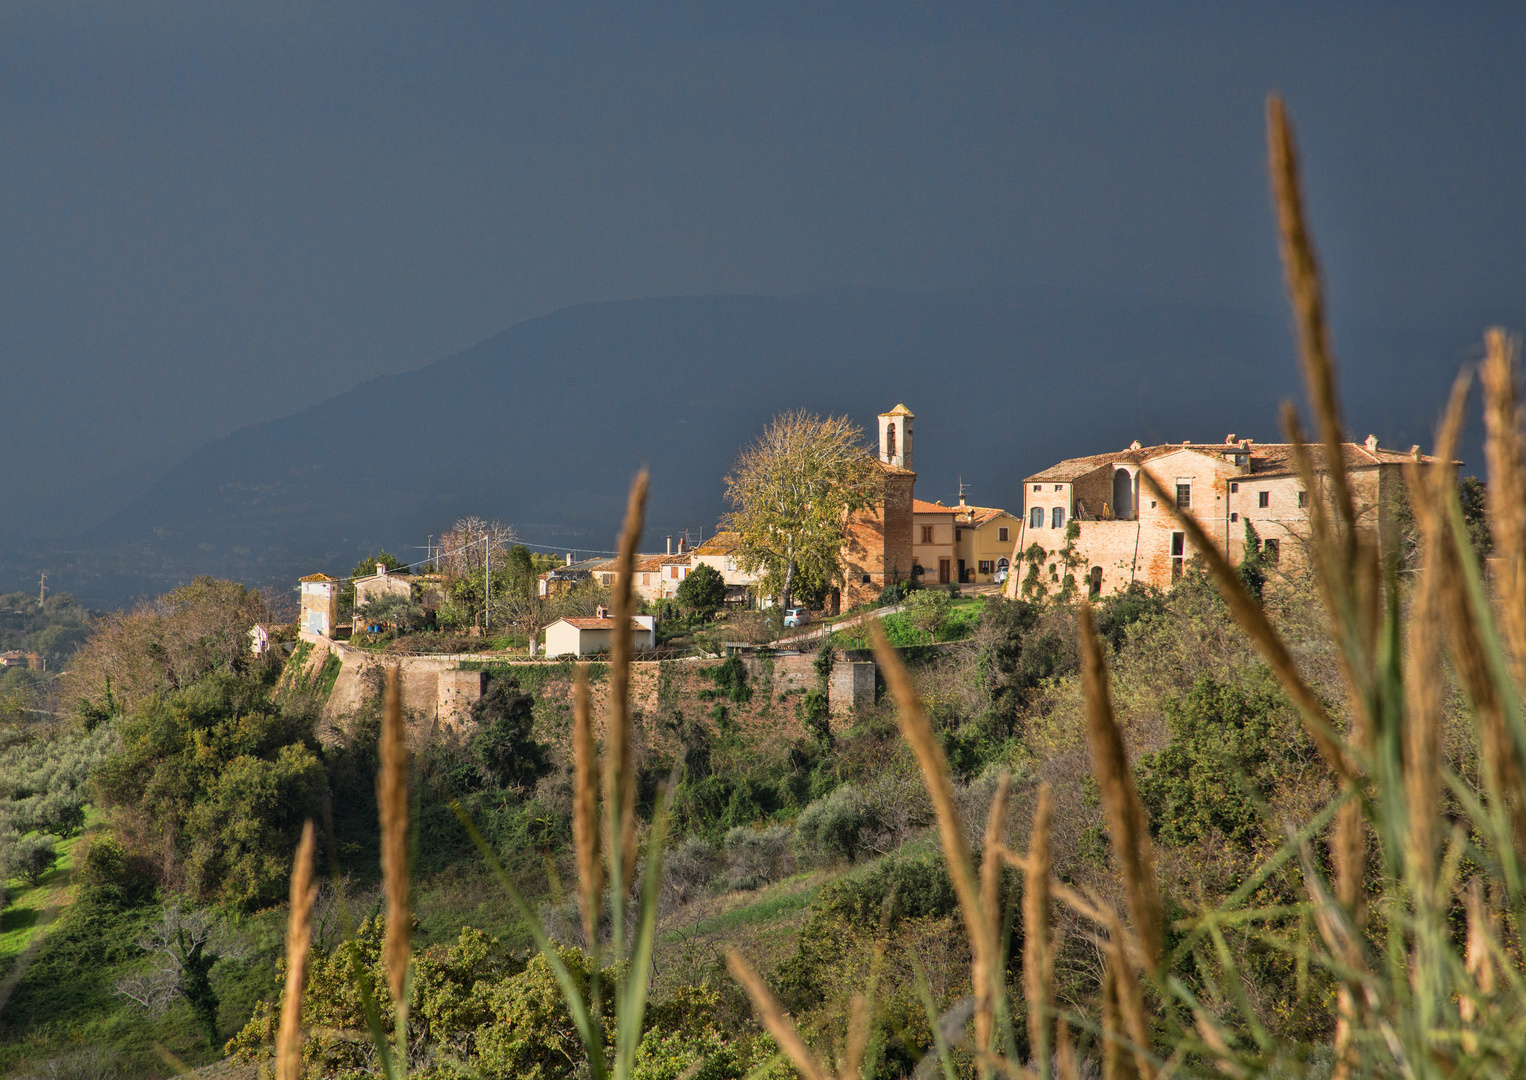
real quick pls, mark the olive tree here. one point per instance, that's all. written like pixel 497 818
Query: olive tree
pixel 793 491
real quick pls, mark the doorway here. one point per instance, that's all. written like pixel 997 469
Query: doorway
pixel 944 568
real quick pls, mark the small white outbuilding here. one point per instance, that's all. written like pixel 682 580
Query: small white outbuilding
pixel 582 636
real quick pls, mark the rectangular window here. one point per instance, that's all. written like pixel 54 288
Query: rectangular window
pixel 1263 499
pixel 985 566
pixel 1038 487
pixel 646 579
pixel 1303 498
pixel 1059 487
pixel 1001 535
pixel 1178 554
pixel 609 579
pixel 927 534
pixel 1183 495
pixel 958 535
pixel 1271 551
pixel 1057 518
pixel 1233 488
pixel 1234 517
pixel 731 564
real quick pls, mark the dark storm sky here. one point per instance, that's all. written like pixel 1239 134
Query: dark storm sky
pixel 215 214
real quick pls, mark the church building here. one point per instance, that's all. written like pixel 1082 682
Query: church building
pixel 877 551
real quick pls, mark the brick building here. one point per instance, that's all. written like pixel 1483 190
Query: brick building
pixel 1124 536
pixel 877 551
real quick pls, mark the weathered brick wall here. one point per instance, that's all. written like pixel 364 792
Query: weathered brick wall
pixel 879 542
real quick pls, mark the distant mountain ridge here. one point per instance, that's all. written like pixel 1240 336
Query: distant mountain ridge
pixel 544 424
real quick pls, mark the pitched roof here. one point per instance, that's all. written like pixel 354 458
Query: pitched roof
pixel 900 410
pixel 921 506
pixel 894 470
pixel 317 577
pixel 722 543
pixel 592 622
pixel 647 563
pixel 1266 459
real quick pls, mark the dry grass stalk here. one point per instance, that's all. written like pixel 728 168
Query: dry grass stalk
pixel 392 806
pixel 619 767
pixel 1479 959
pixel 985 961
pixel 991 861
pixel 1302 269
pixel 1065 1052
pixel 1350 858
pixel 1117 1064
pixel 1125 815
pixel 1253 620
pixel 858 1037
pixel 585 807
pixel 299 933
pixel 1037 957
pixel 1505 451
pixel 1423 674
pixel 1130 1000
pixel 775 1020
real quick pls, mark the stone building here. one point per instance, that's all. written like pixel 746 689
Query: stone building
pixel 320 604
pixel 1124 536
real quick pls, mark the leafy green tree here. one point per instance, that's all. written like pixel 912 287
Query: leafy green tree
pixel 164 646
pixel 364 568
pixel 1230 745
pixel 392 609
pixel 928 610
pixel 703 591
pixel 793 492
pixel 504 748
pixel 215 783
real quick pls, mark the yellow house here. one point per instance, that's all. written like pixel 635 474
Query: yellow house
pixel 964 545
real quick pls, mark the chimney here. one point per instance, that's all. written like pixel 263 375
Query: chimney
pixel 601 612
pixel 670 545
pixel 569 558
pixel 1372 444
pixel 1229 440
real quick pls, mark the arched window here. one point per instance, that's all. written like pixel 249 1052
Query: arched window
pixel 890 440
pixel 1036 518
pixel 1002 565
pixel 1123 495
pixel 1095 584
pixel 1057 518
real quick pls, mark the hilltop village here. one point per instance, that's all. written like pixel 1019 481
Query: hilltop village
pixel 1089 523
pixel 1092 526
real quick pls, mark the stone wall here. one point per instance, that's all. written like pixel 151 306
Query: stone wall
pixel 438 693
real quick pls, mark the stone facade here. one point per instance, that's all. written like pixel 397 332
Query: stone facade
pixel 1125 535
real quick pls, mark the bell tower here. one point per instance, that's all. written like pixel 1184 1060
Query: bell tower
pixel 895 437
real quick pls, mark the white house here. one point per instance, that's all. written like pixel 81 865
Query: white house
pixel 581 636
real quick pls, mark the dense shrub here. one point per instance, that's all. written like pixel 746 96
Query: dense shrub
pixel 836 828
pixel 504 748
pixel 215 783
pixel 164 646
pixel 1231 743
pixel 755 857
pixel 687 868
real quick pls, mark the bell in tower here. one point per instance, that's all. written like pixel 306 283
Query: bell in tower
pixel 895 437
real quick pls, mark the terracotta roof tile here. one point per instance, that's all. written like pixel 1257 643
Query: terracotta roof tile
pixel 921 506
pixel 722 543
pixel 591 622
pixel 1266 459
pixel 317 577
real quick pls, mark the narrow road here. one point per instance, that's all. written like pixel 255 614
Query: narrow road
pixel 826 629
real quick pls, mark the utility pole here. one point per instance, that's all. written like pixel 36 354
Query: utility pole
pixel 42 589
pixel 487 587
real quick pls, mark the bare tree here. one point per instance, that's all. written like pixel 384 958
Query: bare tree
pixel 793 491
pixel 469 542
pixel 185 944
